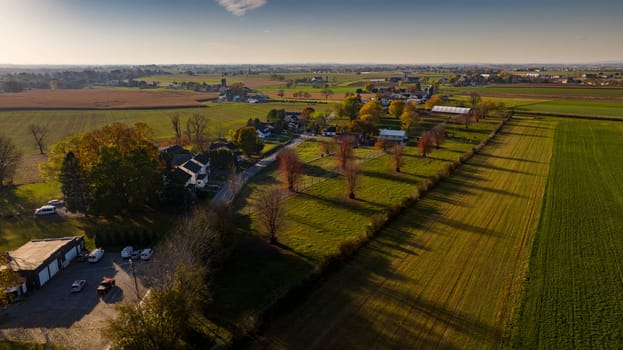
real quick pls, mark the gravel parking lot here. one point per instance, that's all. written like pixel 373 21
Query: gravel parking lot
pixel 70 319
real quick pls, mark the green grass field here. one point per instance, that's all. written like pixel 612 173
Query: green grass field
pixel 446 274
pixel 222 117
pixel 319 219
pixel 603 109
pixel 557 92
pixel 574 296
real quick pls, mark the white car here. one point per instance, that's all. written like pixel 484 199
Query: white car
pixel 147 253
pixel 45 210
pixel 78 285
pixel 56 202
pixel 96 255
pixel 126 253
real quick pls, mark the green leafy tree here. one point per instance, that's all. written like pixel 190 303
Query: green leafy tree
pixel 372 108
pixel 367 126
pixel 246 138
pixel 8 278
pixel 73 184
pixel 121 167
pixel 396 108
pixel 349 107
pixel 221 158
pixel 435 100
pixel 409 119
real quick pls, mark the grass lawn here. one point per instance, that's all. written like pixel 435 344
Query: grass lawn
pixel 18 225
pixel 574 295
pixel 318 219
pixel 448 272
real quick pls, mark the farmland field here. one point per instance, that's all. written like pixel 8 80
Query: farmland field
pixel 604 109
pixel 61 123
pixel 574 295
pixel 541 92
pixel 101 99
pixel 448 272
pixel 321 217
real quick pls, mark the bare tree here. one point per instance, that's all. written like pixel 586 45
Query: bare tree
pixel 40 134
pixel 351 173
pixel 270 211
pixel 196 127
pixel 344 145
pixel 9 158
pixel 439 135
pixel 178 292
pixel 398 151
pixel 177 126
pixel 474 99
pixel 291 167
pixel 327 93
pixel 326 147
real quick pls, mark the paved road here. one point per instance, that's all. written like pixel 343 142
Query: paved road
pixel 224 195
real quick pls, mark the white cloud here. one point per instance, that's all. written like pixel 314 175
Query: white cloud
pixel 240 7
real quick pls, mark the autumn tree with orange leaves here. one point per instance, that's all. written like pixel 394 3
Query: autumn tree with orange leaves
pixel 291 167
pixel 425 143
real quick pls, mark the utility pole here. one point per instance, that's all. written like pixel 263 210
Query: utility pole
pixel 138 298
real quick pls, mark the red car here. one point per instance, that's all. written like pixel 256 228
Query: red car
pixel 106 285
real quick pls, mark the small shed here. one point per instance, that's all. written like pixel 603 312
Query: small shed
pixel 393 135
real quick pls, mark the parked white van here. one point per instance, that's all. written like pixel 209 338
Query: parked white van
pixel 147 253
pixel 96 255
pixel 45 210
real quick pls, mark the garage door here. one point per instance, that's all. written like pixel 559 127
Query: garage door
pixel 71 254
pixel 53 268
pixel 43 277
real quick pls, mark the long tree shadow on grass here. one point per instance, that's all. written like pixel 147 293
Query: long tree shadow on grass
pixel 509 158
pixel 411 178
pixel 341 299
pixel 338 202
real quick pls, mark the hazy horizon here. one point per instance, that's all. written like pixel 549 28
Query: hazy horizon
pixel 220 32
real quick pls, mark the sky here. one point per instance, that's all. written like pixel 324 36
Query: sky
pixel 98 32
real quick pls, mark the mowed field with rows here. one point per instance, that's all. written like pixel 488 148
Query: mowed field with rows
pixel 446 274
pixel 574 295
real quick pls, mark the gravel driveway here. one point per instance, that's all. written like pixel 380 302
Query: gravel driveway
pixel 73 320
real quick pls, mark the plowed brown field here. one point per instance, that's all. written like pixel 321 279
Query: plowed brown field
pixel 101 99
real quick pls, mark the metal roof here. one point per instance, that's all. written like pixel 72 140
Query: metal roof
pixel 395 133
pixel 448 109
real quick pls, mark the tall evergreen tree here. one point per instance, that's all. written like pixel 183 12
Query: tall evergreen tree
pixel 73 184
